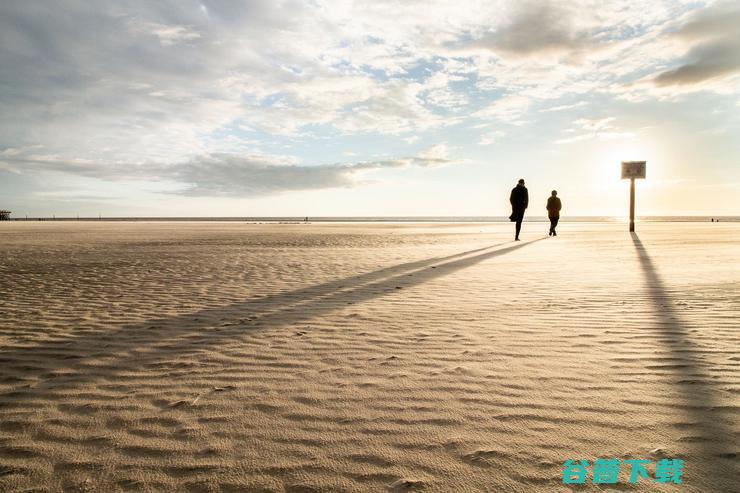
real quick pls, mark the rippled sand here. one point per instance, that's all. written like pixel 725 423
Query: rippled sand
pixel 364 357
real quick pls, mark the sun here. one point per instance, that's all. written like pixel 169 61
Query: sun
pixel 608 159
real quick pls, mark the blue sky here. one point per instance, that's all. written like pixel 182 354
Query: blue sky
pixel 226 108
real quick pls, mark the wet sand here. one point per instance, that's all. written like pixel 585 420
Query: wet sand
pixel 223 357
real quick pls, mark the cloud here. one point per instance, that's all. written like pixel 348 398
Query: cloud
pixel 490 137
pixel 168 35
pixel 239 176
pixel 539 28
pixel 391 109
pixel 121 82
pixel 161 91
pixel 436 154
pixel 592 125
pixel 563 107
pixel 229 175
pixel 507 109
pixel 713 39
pixel 600 128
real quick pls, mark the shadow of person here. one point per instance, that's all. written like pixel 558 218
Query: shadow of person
pixel 78 360
pixel 716 440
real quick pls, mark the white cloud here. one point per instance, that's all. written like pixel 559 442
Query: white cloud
pixel 437 153
pixel 506 109
pixel 564 107
pixel 167 35
pixel 595 125
pixel 490 137
pixel 601 128
pixel 168 83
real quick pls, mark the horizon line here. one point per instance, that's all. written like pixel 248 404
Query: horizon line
pixel 358 218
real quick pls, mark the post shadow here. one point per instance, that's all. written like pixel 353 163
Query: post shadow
pixel 717 437
pixel 163 337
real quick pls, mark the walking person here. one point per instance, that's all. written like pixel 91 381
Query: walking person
pixel 519 199
pixel 553 211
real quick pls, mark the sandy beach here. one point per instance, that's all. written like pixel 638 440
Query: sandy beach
pixel 225 357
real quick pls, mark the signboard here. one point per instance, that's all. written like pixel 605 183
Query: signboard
pixel 633 169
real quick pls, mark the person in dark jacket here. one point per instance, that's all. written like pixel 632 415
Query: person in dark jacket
pixel 553 211
pixel 519 199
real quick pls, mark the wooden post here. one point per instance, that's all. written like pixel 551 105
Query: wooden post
pixel 632 170
pixel 632 205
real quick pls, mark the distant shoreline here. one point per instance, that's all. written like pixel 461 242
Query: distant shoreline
pixel 388 219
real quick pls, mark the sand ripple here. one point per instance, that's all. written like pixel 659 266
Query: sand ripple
pixel 299 358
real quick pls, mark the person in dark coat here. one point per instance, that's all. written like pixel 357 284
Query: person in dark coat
pixel 553 211
pixel 519 199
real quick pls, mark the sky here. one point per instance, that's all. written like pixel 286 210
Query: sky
pixel 382 108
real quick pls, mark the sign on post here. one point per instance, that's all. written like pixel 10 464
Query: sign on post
pixel 633 170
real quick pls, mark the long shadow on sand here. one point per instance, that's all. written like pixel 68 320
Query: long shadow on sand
pixel 716 437
pixel 80 359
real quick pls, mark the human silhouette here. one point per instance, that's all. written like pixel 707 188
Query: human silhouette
pixel 553 211
pixel 519 199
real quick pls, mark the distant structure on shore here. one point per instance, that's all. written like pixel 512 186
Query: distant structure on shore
pixel 4 215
